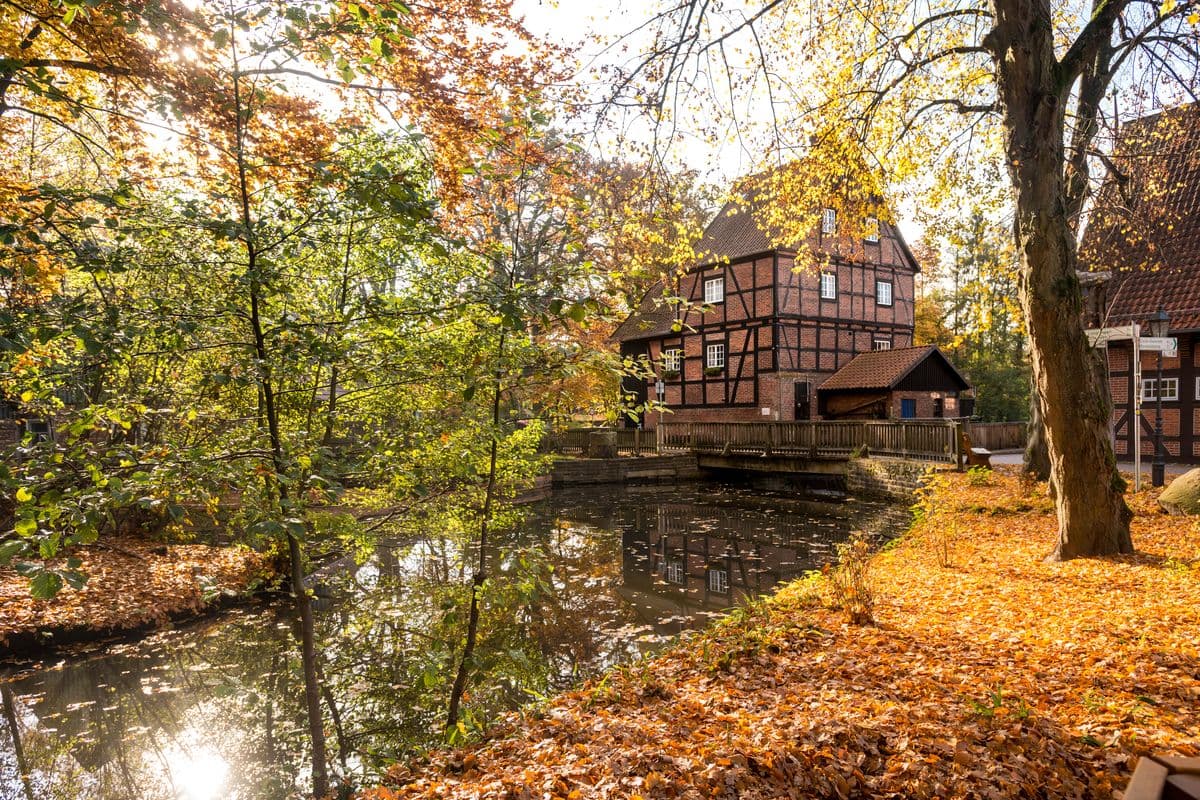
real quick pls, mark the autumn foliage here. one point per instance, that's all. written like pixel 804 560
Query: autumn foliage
pixel 998 675
pixel 132 583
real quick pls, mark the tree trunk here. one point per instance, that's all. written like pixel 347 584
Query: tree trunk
pixel 270 412
pixel 14 731
pixel 1093 518
pixel 464 663
pixel 1037 455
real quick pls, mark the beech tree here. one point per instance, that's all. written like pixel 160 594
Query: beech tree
pixel 924 92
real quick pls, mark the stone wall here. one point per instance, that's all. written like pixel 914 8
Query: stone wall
pixel 649 469
pixel 886 478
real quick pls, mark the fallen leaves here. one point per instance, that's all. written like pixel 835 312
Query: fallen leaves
pixel 996 676
pixel 131 583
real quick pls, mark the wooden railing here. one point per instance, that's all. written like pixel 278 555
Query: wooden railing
pixel 936 440
pixel 579 441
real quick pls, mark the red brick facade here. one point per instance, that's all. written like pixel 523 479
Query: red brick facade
pixel 774 324
pixel 1180 415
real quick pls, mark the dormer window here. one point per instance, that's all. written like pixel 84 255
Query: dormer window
pixel 829 220
pixel 714 290
pixel 872 229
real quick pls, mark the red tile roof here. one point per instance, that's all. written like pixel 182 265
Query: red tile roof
pixel 883 369
pixel 1146 229
pixel 735 233
pixel 654 317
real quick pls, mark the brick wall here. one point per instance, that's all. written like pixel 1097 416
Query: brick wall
pixel 653 469
pixel 886 478
pixel 925 405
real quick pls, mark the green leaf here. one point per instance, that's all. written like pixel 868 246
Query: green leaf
pixel 10 549
pixel 45 585
pixel 25 526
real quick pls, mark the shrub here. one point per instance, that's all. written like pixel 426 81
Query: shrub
pixel 943 533
pixel 850 581
pixel 979 476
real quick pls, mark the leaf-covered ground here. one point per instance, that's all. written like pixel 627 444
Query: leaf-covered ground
pixel 131 583
pixel 988 674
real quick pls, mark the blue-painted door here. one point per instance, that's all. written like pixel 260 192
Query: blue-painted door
pixel 908 409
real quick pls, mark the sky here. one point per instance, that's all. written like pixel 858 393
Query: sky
pixel 581 23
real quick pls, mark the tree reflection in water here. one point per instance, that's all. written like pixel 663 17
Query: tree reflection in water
pixel 587 580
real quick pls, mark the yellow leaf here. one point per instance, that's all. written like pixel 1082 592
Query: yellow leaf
pixel 24 495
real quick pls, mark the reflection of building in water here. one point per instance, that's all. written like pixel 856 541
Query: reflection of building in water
pixel 683 560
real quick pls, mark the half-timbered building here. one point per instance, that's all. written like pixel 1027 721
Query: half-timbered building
pixel 754 329
pixel 1141 253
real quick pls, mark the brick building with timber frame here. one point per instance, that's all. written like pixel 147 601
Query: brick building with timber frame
pixel 1141 253
pixel 752 331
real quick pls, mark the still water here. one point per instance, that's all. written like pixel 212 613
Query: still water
pixel 587 580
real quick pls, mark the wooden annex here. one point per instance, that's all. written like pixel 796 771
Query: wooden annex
pixel 760 327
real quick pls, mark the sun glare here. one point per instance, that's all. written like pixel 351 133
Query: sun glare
pixel 198 774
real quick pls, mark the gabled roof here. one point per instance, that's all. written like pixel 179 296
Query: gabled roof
pixel 654 317
pixel 1146 227
pixel 883 370
pixel 738 231
pixel 734 234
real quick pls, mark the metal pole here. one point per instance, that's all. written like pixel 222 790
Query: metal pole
pixel 1136 422
pixel 1160 464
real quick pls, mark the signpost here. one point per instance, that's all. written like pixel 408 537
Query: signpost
pixel 1167 345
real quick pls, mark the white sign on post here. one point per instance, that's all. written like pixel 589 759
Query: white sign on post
pixel 1169 345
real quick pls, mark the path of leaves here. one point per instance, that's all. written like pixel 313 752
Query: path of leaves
pixel 996 676
pixel 131 583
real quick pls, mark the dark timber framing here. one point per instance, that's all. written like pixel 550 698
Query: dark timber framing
pixel 777 329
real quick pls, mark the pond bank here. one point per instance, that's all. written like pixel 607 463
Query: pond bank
pixel 988 673
pixel 134 585
pixel 590 579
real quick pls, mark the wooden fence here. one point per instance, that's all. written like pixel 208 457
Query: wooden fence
pixel 926 440
pixel 997 435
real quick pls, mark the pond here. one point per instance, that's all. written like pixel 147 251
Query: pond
pixel 589 579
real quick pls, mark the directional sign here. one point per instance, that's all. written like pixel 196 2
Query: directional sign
pixel 1102 336
pixel 1169 345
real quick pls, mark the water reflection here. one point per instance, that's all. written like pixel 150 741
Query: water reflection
pixel 588 580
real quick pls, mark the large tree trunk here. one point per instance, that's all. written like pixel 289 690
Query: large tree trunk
pixel 1068 377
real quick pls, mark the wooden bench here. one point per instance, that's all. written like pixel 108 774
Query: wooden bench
pixel 1165 777
pixel 976 456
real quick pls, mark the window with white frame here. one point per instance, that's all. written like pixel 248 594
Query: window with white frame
pixel 675 572
pixel 881 344
pixel 883 293
pixel 1198 388
pixel 828 220
pixel 714 290
pixel 1170 389
pixel 672 357
pixel 715 356
pixel 718 581
pixel 872 229
pixel 828 285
